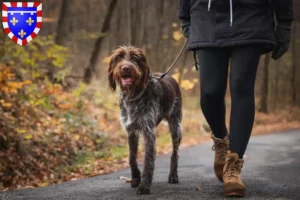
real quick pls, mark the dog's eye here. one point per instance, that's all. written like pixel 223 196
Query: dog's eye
pixel 119 57
pixel 134 58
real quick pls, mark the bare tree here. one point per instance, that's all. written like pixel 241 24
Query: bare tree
pixel 62 28
pixel 143 24
pixel 294 65
pixel 129 13
pixel 276 77
pixel 91 68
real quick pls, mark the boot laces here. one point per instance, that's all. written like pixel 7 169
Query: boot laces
pixel 221 148
pixel 233 168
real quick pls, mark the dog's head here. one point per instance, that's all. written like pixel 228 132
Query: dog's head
pixel 128 67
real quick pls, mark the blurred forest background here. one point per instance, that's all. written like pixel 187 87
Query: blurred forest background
pixel 58 119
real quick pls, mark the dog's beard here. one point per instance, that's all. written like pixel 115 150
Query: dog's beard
pixel 130 83
pixel 130 90
pixel 132 87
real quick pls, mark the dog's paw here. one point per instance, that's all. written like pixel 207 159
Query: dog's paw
pixel 173 179
pixel 142 190
pixel 135 182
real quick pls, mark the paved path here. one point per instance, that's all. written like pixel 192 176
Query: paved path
pixel 271 171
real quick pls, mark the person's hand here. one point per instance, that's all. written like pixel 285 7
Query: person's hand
pixel 283 37
pixel 185 27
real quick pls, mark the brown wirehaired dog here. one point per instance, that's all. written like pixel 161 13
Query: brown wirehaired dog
pixel 144 102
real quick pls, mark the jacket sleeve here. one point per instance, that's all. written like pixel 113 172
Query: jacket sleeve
pixel 283 10
pixel 184 9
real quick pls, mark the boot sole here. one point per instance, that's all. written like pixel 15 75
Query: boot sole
pixel 234 194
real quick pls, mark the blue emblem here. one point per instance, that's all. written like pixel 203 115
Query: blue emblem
pixel 22 21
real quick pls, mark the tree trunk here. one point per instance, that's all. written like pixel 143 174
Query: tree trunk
pixel 119 31
pixel 276 80
pixel 129 12
pixel 265 86
pixel 90 70
pixel 142 27
pixel 62 28
pixel 135 24
pixel 294 65
pixel 159 28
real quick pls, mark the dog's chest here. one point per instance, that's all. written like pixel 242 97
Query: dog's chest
pixel 128 113
pixel 137 114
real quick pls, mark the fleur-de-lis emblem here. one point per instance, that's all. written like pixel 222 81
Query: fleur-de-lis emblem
pixel 14 21
pixel 29 21
pixel 22 33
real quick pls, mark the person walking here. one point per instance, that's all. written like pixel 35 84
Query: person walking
pixel 239 31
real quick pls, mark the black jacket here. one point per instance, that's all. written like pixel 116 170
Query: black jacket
pixel 245 22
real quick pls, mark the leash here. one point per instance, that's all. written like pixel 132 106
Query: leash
pixel 175 61
pixel 197 65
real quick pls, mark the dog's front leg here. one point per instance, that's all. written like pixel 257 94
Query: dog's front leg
pixel 147 176
pixel 133 141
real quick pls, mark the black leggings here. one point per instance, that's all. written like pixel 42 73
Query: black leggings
pixel 214 64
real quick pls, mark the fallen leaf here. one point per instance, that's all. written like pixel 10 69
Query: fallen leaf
pixel 20 130
pixel 28 137
pixel 123 178
pixel 43 184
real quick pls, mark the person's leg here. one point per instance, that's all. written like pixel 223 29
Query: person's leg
pixel 213 82
pixel 244 62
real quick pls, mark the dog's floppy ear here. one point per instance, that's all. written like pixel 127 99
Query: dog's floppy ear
pixel 146 74
pixel 145 67
pixel 111 67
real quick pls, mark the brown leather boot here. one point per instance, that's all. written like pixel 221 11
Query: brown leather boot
pixel 220 147
pixel 233 185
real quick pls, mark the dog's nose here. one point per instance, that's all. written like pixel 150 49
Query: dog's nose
pixel 125 68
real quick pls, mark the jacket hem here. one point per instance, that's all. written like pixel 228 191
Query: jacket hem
pixel 268 45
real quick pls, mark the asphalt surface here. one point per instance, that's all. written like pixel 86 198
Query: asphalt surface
pixel 271 171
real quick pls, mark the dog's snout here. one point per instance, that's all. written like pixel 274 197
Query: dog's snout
pixel 125 68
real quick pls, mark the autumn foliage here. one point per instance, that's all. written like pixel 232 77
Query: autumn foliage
pixel 43 129
pixel 35 137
